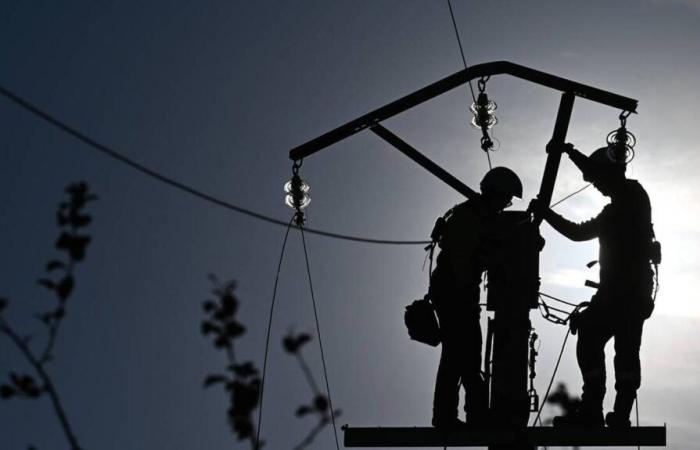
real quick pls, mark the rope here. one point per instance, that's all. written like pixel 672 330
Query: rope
pixel 570 195
pixel 320 342
pixel 114 154
pixel 551 381
pixel 267 339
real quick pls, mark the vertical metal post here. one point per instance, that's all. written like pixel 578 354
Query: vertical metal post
pixel 561 126
pixel 513 292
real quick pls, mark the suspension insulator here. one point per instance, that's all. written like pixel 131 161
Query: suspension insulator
pixel 621 145
pixel 297 191
pixel 483 110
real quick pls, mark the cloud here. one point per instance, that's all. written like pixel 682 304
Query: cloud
pixel 692 4
pixel 572 278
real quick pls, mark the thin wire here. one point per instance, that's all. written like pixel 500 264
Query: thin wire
pixel 269 328
pixel 551 381
pixel 571 195
pixel 464 61
pixel 320 342
pixel 461 50
pixel 177 184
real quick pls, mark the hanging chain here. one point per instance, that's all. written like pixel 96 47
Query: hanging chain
pixel 532 392
pixel 481 84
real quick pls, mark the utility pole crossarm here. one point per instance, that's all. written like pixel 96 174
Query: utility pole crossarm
pixel 451 82
pixel 424 161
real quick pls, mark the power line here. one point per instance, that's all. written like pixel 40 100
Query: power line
pixel 114 154
pixel 464 61
pixel 459 42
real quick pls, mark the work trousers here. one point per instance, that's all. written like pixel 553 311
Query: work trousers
pixel 460 360
pixel 597 327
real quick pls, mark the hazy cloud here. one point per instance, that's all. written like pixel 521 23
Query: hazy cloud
pixel 692 4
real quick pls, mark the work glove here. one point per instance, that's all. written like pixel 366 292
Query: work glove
pixel 574 322
pixel 559 147
pixel 578 317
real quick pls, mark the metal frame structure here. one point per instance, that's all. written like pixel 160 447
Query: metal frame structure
pixel 372 120
pixel 511 354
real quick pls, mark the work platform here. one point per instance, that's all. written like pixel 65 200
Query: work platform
pixel 502 436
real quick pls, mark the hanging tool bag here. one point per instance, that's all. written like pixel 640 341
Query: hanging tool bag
pixel 422 322
pixel 419 317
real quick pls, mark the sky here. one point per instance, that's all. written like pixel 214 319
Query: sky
pixel 214 94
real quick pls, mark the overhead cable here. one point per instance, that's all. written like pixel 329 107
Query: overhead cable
pixel 114 154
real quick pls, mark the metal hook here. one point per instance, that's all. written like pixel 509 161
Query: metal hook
pixel 296 165
pixel 623 117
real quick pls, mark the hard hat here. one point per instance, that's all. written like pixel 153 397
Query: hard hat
pixel 599 163
pixel 503 180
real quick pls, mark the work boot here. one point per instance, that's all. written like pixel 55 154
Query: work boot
pixel 482 419
pixel 616 421
pixel 476 405
pixel 448 424
pixel 587 418
pixel 619 417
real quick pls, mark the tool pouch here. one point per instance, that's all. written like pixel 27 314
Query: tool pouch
pixel 422 323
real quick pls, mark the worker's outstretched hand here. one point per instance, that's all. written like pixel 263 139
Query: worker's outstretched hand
pixel 559 147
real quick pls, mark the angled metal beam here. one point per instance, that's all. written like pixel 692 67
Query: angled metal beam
pixel 424 161
pixel 551 168
pixel 453 81
pixel 482 437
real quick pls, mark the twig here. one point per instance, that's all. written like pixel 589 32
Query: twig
pixel 48 385
pixel 307 372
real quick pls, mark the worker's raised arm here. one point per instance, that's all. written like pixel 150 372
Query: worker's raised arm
pixel 575 231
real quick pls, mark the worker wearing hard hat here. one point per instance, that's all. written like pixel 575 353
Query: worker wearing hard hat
pixel 624 297
pixel 454 291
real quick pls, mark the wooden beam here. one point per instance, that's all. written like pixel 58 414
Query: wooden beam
pixel 482 437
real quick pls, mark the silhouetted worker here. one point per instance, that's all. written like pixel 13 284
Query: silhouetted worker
pixel 454 290
pixel 624 297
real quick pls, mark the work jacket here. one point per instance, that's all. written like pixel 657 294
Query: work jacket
pixel 625 233
pixel 457 274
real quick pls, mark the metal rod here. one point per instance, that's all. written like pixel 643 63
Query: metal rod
pixel 453 81
pixel 551 168
pixel 504 436
pixel 424 161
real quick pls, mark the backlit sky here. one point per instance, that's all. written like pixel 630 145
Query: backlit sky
pixel 215 94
